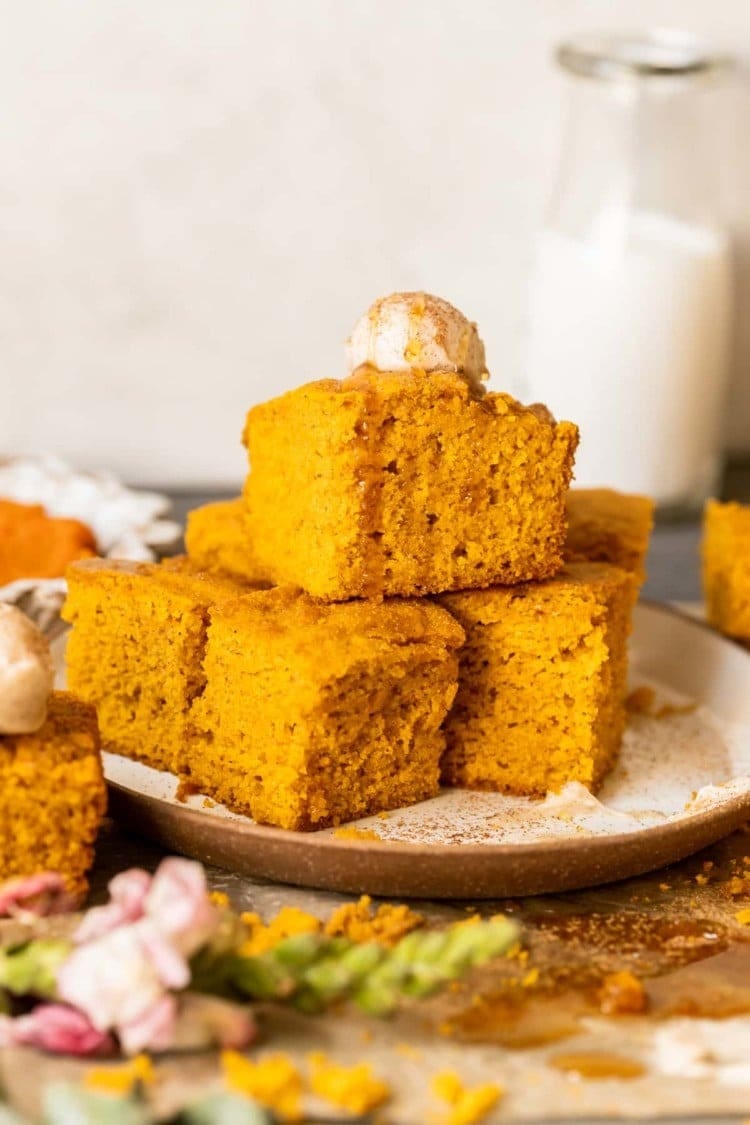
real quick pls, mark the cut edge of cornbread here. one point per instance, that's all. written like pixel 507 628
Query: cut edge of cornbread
pixel 542 681
pixel 401 484
pixel 317 714
pixel 136 650
pixel 52 795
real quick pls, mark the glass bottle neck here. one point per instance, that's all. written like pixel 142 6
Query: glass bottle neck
pixel 637 147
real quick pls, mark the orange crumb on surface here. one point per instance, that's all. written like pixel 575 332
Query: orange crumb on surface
pixel 353 1088
pixel 219 898
pixel 640 701
pixel 467 1104
pixel 622 994
pixel 121 1079
pixel 407 1051
pixel 289 922
pixel 531 978
pixel 273 1081
pixel 351 832
pixel 360 922
pixel 743 916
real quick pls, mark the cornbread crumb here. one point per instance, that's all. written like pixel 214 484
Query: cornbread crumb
pixel 353 1088
pixel 351 832
pixel 407 1051
pixel 52 795
pixel 122 1079
pixel 447 1086
pixel 622 993
pixel 542 680
pixel 640 701
pixel 273 1081
pixel 743 916
pixel 609 526
pixel 358 922
pixel 289 922
pixel 468 1105
pixel 401 483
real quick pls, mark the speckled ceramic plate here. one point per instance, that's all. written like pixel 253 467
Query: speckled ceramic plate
pixel 682 782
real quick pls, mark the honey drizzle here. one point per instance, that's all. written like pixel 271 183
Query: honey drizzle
pixel 596 1065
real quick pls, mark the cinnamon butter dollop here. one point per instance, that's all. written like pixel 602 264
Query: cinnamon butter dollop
pixel 26 673
pixel 417 331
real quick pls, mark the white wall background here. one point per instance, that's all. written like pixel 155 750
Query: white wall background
pixel 199 197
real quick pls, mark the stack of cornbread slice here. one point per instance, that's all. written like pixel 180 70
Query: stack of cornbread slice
pixel 387 605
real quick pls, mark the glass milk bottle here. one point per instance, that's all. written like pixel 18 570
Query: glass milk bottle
pixel 631 294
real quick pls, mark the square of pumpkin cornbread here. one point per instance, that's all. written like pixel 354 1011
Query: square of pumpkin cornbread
pixel 542 681
pixel 136 650
pixel 218 538
pixel 316 714
pixel 726 567
pixel 405 483
pixel 52 795
pixel 609 526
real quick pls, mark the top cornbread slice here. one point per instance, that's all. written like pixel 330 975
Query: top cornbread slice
pixel 315 714
pixel 136 650
pixel 609 526
pixel 402 484
pixel 218 538
pixel 726 567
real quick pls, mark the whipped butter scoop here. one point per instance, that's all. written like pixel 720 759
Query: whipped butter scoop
pixel 416 331
pixel 26 673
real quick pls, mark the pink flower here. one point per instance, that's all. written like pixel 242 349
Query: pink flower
pixel 117 978
pixel 153 1029
pixel 132 955
pixel 57 1028
pixel 34 896
pixel 179 907
pixel 127 893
